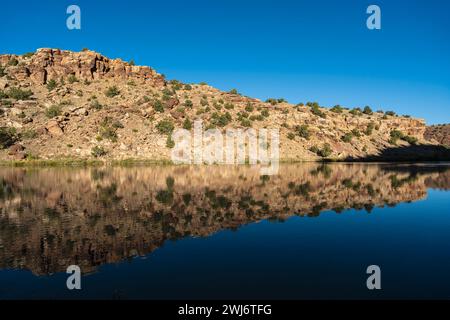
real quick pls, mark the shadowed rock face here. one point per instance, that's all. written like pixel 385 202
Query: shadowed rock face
pixel 51 218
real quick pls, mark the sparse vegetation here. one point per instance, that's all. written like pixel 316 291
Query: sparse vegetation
pixel 19 94
pixel 8 137
pixel 165 126
pixel 72 79
pixel 112 92
pixel 51 84
pixel 337 109
pixel 187 124
pixel 303 131
pixel 98 151
pixel 367 110
pixel 53 111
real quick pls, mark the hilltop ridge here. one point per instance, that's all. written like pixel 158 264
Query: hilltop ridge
pixel 58 104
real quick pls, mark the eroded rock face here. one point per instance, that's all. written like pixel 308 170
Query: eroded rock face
pixel 55 64
pixel 439 133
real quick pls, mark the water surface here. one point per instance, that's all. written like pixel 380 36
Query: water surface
pixel 175 232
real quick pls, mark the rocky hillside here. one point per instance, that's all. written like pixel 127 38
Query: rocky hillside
pixel 58 104
pixel 439 133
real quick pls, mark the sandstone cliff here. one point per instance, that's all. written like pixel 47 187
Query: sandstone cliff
pixel 63 104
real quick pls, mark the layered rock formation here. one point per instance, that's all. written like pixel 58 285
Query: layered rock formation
pixel 62 104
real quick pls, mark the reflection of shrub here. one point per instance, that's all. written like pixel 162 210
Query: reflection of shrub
pixel 164 197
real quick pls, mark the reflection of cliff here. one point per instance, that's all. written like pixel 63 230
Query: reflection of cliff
pixel 51 218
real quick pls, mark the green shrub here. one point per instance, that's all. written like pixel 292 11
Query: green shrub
pixel 221 120
pixel 28 134
pixel 98 151
pixel 410 139
pixel 317 112
pixel 51 85
pixel 158 106
pixel 390 113
pixel 246 123
pixel 165 126
pixel 8 137
pixel 347 137
pixel 356 133
pixel 96 105
pixel 53 111
pixel 187 87
pixel 131 62
pixel 367 110
pixel 303 131
pixel 337 109
pixel 2 72
pixel 369 129
pixel 188 104
pixel 229 106
pixel 325 151
pixel 112 92
pixel 272 101
pixel 187 124
pixel 265 113
pixel 19 94
pixel 249 107
pixel 291 136
pixel 72 79
pixel 169 142
pixel 13 62
pixel 233 91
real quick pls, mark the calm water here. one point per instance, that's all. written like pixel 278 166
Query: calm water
pixel 226 232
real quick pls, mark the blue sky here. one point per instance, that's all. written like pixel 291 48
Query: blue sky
pixel 299 50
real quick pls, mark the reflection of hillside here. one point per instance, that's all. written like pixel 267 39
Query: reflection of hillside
pixel 51 218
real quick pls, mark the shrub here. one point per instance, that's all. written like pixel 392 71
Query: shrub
pixel 265 113
pixel 204 102
pixel 13 62
pixel 356 133
pixel 314 149
pixel 51 84
pixel 187 124
pixel 272 101
pixel 229 106
pixel 188 104
pixel 8 137
pixel 369 129
pixel 221 120
pixel 233 91
pixel 246 123
pixel 132 63
pixel 187 87
pixel 53 111
pixel 165 126
pixel 347 137
pixel 249 107
pixel 28 55
pixel 158 106
pixel 367 110
pixel 19 94
pixel 410 139
pixel 316 111
pixel 325 151
pixel 291 136
pixel 303 131
pixel 169 142
pixel 390 113
pixel 98 151
pixel 96 105
pixel 112 92
pixel 2 72
pixel 337 109
pixel 72 79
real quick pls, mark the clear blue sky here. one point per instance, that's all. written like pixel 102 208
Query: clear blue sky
pixel 299 50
